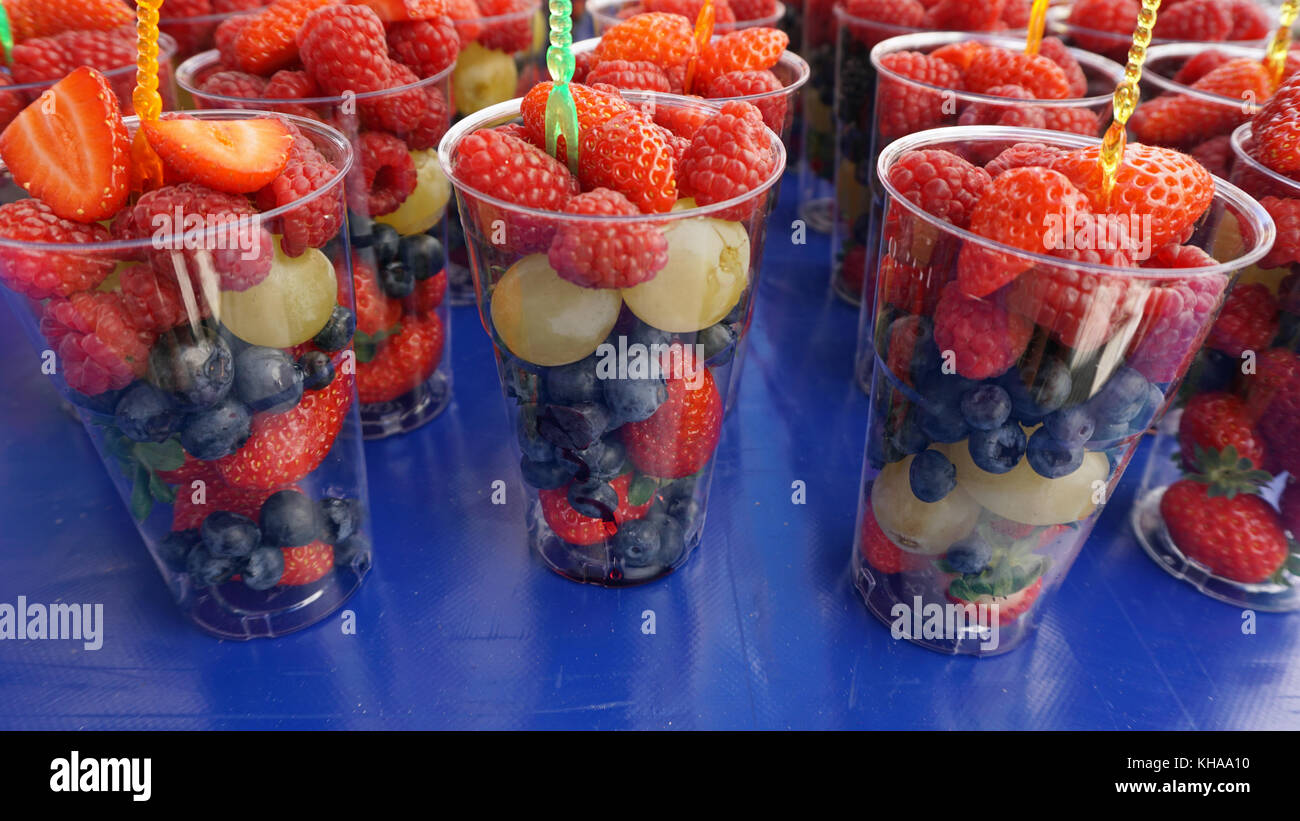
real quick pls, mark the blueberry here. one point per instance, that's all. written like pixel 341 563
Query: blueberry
pixel 146 414
pixel 933 384
pixel 395 280
pixel 104 403
pixel 634 400
pixel 339 517
pixel 266 380
pixel 207 570
pixel 227 534
pixel 531 444
pixel 194 366
pixel 593 498
pixel 218 431
pixel 1070 426
pixel 1047 390
pixel 944 424
pixel 317 370
pixel 338 330
pixel 518 380
pixel 637 543
pixel 290 519
pixel 909 438
pixel 573 383
pixel 648 335
pixel 969 555
pixel 1121 398
pixel 234 343
pixel 986 408
pixel 545 475
pixel 684 509
pixel 603 459
pixel 264 568
pixel 932 476
pixel 717 339
pixel 672 538
pixel 573 427
pixel 1052 458
pixel 352 549
pixel 175 548
pixel 386 243
pixel 361 230
pixel 997 451
pixel 1216 371
pixel 422 255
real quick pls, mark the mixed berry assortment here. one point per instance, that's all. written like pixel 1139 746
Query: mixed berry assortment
pixel 617 320
pixel 1106 26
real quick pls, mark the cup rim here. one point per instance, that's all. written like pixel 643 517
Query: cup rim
pixel 603 11
pixel 167 48
pixel 317 129
pixel 1058 24
pixel 508 111
pixel 1181 49
pixel 1264 234
pixel 188 71
pixel 910 42
pixel 1238 141
pixel 789 59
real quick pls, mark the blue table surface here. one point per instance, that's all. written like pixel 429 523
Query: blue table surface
pixel 459 626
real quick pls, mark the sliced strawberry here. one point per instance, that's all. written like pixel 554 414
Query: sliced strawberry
pixel 575 528
pixel 235 156
pixel 394 11
pixel 70 148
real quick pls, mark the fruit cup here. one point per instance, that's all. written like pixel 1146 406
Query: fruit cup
pixel 1011 387
pixel 193 24
pixel 210 364
pixel 616 362
pixel 727 16
pixel 1219 496
pixel 398 197
pixel 1106 26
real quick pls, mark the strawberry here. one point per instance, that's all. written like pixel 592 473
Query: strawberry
pixel 1009 607
pixel 593 107
pixel 1199 65
pixel 268 42
pixel 1214 422
pixel 402 361
pixel 1273 398
pixel 376 311
pixel 429 293
pixel 751 49
pixel 70 148
pixel 1248 321
pixel 661 38
pixel 1276 128
pixel 629 154
pixel 306 564
pixel 42 18
pixel 575 528
pixel 881 553
pixel 680 437
pixel 993 66
pixel 1184 120
pixel 960 54
pixel 1216 518
pixel 193 505
pixel 284 447
pixel 234 156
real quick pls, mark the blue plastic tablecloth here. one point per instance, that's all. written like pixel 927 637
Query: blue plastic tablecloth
pixel 460 627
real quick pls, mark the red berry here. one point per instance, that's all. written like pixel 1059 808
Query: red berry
pixel 51 58
pixel 683 120
pixel 606 254
pixel 41 274
pixel 306 564
pixel 313 223
pixel 881 553
pixel 1214 422
pixel 1276 129
pixel 959 54
pixel 1289 507
pixel 512 31
pixel 1216 155
pixel 1054 49
pixel 663 39
pixel 237 156
pixel 1037 74
pixel 593 107
pixel 1174 315
pixel 1286 215
pixel 984 337
pixel 430 292
pixel 419 115
pixel 385 177
pixel 42 18
pixel 941 183
pixel 216 495
pixel 99 348
pixel 239 268
pixel 735 84
pixel 1079 308
pixel 630 154
pixel 901 13
pixel 679 438
pixel 427 46
pixel 752 9
pixel 267 41
pixel 1185 119
pixel 403 361
pixel 690 9
pixel 344 50
pixel 1200 64
pixel 376 311
pixel 1022 155
pixel 903 108
pixel 1273 397
pixel 751 49
pixel 234 84
pixel 909 289
pixel 575 528
pixel 1248 321
pixel 226 35
pixel 1237 537
pixel 1009 114
pixel 639 74
pixel 153 302
pixel 1249 21
pixel 1008 608
pixel 964 15
pixel 1114 20
pixel 291 84
pixel 730 155
pixel 1201 21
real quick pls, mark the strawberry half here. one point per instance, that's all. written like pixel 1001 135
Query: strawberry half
pixel 235 156
pixel 70 148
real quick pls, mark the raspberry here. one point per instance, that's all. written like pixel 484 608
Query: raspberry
pixel 753 9
pixel 593 107
pixel 1288 294
pixel 606 254
pixel 1276 129
pixel 153 302
pixel 52 58
pixel 748 83
pixel 1016 14
pixel 690 9
pixel 376 311
pixel 269 39
pixel 582 63
pixel 904 109
pixel 941 183
pixel 907 288
pixel 98 347
pixel 226 35
pixel 234 84
pixel 1186 119
pixel 984 338
pixel 639 74
pixel 1249 21
pixel 1038 75
pixel 1024 116
pixel 678 145
pixel 1199 65
pixel 314 223
pixel 427 46
pixel 385 174
pixel 964 15
pixel 1080 308
pixel 743 50
pixel 1286 215
pixel 229 6
pixel 1054 49
pixel 11 102
pixel 660 38
pixel 1022 208
pixel 730 155
pixel 343 48
pixel 418 115
pixel 1174 314
pixel 156 213
pixel 629 154
pixel 1202 21
pixel 41 274
pixel 41 18
pixel 908 337
pixel 1022 155
pixel 508 168
pixel 289 84
pixel 1114 20
pixel 959 54
pixel 466 15
pixel 1248 321
pixel 891 13
pixel 512 33
pixel 1273 398
pixel 683 121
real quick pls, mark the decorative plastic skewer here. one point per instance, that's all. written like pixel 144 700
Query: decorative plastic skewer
pixel 145 99
pixel 1280 45
pixel 1125 99
pixel 1037 22
pixel 6 35
pixel 561 113
pixel 703 33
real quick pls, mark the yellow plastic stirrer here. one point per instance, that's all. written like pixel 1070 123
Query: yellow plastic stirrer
pixel 1126 96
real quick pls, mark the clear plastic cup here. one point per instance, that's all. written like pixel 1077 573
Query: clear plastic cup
pixel 567 359
pixel 404 376
pixel 170 397
pixel 608 13
pixel 194 34
pixel 1115 45
pixel 1235 384
pixel 1040 449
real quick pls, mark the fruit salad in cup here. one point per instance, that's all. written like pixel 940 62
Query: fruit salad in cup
pixel 618 299
pixel 197 320
pixel 384 84
pixel 1028 331
pixel 1106 26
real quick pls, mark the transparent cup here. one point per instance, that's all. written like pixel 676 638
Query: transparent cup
pixel 1038 421
pixel 194 34
pixel 863 133
pixel 1115 45
pixel 174 400
pixel 608 13
pixel 404 376
pixel 601 439
pixel 1237 384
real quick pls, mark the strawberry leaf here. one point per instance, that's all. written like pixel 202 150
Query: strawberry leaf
pixel 141 498
pixel 641 489
pixel 167 455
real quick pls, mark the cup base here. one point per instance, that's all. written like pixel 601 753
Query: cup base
pixel 234 611
pixel 407 412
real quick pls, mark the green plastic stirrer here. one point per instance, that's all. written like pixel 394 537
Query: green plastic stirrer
pixel 561 114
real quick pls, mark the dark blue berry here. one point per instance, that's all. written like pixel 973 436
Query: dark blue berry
pixel 644 334
pixel 944 424
pixel 207 570
pixel 386 242
pixel 227 534
pixel 1215 371
pixel 909 438
pixel 717 339
pixel 603 459
pixel 353 549
pixel 104 404
pixel 997 451
pixel 218 431
pixel 317 370
pixel 340 518
pixel 531 443
pixel 633 400
pixel 338 330
pixel 1122 397
pixel 266 380
pixel 289 519
pixel 969 555
pixel 264 568
pixel 1071 426
pixel 1052 458
pixel 194 366
pixel 361 230
pixel 986 407
pixel 573 427
pixel 932 476
pixel 593 498
pixel 672 537
pixel 146 414
pixel 573 383
pixel 395 280
pixel 1047 389
pixel 175 548
pixel 637 543
pixel 547 475
pixel 422 255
